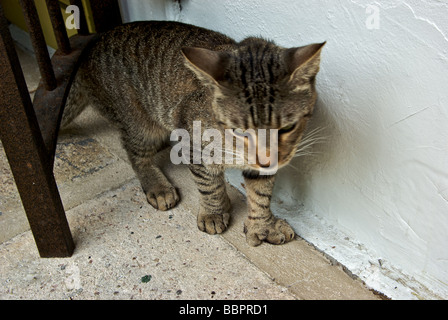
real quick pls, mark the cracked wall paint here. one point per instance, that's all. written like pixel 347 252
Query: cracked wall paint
pixel 381 177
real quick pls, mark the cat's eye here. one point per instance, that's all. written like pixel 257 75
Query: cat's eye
pixel 287 129
pixel 308 115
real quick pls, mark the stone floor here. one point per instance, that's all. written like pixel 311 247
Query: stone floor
pixel 125 249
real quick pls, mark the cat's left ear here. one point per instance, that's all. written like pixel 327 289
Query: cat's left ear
pixel 303 62
pixel 207 64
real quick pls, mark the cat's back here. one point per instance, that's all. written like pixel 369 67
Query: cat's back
pixel 144 46
pixel 141 63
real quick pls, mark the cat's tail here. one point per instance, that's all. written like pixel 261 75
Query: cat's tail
pixel 76 103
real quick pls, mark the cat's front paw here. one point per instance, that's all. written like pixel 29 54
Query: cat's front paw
pixel 162 197
pixel 213 223
pixel 274 230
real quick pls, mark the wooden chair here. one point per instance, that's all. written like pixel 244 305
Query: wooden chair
pixel 29 130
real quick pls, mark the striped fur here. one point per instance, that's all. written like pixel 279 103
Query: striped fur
pixel 149 78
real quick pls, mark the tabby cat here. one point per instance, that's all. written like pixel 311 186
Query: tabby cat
pixel 150 78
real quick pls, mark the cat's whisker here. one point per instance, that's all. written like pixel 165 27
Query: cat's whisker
pixel 314 132
pixel 306 148
pixel 312 138
pixel 230 152
pixel 237 155
pixel 305 151
pixel 290 165
pixel 225 151
pixel 306 154
pixel 309 140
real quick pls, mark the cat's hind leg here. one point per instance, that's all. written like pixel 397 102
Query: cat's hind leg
pixel 77 101
pixel 142 147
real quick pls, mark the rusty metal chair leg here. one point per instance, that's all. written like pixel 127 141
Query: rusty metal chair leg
pixel 29 132
pixel 28 157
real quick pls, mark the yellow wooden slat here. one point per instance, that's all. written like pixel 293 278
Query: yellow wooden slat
pixel 13 13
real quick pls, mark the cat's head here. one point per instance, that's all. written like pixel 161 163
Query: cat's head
pixel 259 85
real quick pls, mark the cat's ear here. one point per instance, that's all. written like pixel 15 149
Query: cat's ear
pixel 303 62
pixel 207 64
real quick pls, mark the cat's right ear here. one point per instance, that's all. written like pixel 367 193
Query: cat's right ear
pixel 207 64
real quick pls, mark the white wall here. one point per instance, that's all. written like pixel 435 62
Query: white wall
pixel 375 193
